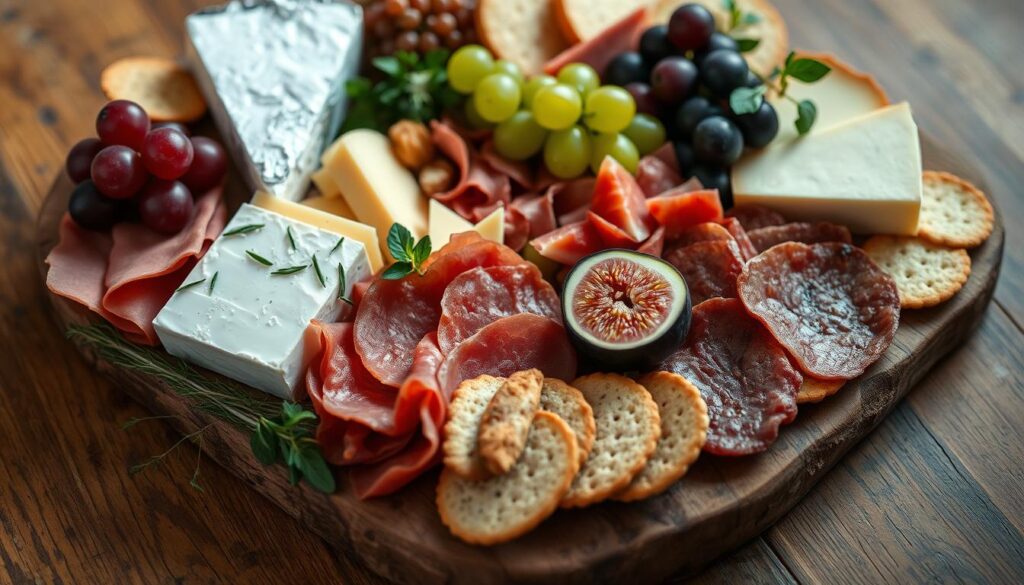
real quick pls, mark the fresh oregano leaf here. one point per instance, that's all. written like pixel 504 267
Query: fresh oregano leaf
pixel 315 470
pixel 807 113
pixel 747 45
pixel 264 444
pixel 397 270
pixel 807 70
pixel 399 242
pixel 746 100
pixel 421 252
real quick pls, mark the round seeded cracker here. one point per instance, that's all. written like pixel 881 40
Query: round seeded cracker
pixel 953 211
pixel 568 403
pixel 926 274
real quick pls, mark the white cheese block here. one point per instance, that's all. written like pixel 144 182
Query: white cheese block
pixel 252 326
pixel 444 223
pixel 865 173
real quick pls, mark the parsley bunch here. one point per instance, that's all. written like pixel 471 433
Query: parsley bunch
pixel 412 88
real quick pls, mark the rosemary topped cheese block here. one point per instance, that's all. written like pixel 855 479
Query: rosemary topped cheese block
pixel 244 309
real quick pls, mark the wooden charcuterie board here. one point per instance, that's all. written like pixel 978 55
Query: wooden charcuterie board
pixel 719 505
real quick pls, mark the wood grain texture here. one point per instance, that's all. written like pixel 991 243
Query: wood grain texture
pixel 721 503
pixel 69 511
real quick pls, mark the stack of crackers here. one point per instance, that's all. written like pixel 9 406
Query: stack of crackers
pixel 518 448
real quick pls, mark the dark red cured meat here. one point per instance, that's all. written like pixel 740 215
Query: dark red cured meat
pixel 395 315
pixel 655 176
pixel 709 268
pixel 755 216
pixel 509 345
pixel 571 199
pixel 702 232
pixel 828 304
pixel 598 51
pixel 667 154
pixel 743 375
pixel 569 243
pixel 808 233
pixel 747 249
pixel 393 433
pixel 478 297
pixel 680 208
pixel 655 243
pixel 539 212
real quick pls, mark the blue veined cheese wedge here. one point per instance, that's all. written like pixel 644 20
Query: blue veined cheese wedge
pixel 864 173
pixel 273 73
pixel 252 325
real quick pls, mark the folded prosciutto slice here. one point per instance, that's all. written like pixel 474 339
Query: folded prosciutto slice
pixel 127 276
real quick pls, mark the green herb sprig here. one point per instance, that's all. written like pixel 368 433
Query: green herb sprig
pixel 190 285
pixel 341 285
pixel 747 100
pixel 228 401
pixel 411 87
pixel 738 19
pixel 245 229
pixel 409 254
pixel 289 270
pixel 288 438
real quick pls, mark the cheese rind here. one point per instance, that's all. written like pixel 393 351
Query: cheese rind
pixel 341 226
pixel 865 173
pixel 380 191
pixel 252 326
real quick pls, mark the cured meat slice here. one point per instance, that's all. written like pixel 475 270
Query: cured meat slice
pixel 569 243
pixel 655 244
pixel 478 297
pixel 395 432
pixel 743 375
pixel 618 199
pixel 395 315
pixel 742 240
pixel 702 232
pixel 828 304
pixel 539 212
pixel 808 233
pixel 601 49
pixel 709 268
pixel 755 216
pixel 681 208
pixel 655 176
pixel 610 234
pixel 510 345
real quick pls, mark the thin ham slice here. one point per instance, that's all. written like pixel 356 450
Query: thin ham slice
pixel 600 50
pixel 128 276
pixel 509 345
pixel 395 433
pixel 569 243
pixel 655 176
pixel 539 211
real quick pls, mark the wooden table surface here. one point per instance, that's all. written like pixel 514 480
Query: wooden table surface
pixel 936 493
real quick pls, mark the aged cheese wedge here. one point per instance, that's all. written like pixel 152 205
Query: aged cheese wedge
pixel 359 232
pixel 444 223
pixel 380 191
pixel 248 323
pixel 842 95
pixel 325 184
pixel 864 173
pixel 332 205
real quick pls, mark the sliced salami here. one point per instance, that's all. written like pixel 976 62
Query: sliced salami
pixel 702 232
pixel 808 233
pixel 710 268
pixel 828 304
pixel 478 297
pixel 737 231
pixel 756 217
pixel 510 345
pixel 743 375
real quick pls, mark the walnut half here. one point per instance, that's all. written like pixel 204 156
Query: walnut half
pixel 411 143
pixel 437 176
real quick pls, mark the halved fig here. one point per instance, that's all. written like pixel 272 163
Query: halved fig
pixel 625 310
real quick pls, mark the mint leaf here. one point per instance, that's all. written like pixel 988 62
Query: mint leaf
pixel 807 70
pixel 421 252
pixel 264 444
pixel 399 242
pixel 397 270
pixel 315 471
pixel 747 45
pixel 746 100
pixel 807 113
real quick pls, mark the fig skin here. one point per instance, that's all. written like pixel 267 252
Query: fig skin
pixel 644 356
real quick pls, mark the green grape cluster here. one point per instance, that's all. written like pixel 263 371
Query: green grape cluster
pixel 571 120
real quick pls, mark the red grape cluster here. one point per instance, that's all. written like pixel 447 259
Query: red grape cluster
pixel 137 169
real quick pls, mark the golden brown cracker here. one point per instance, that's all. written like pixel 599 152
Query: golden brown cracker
pixel 926 274
pixel 953 211
pixel 165 89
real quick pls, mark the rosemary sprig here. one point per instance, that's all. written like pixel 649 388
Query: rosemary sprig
pixel 259 258
pixel 319 274
pixel 228 401
pixel 190 285
pixel 341 285
pixel 341 241
pixel 245 229
pixel 291 237
pixel 289 270
pixel 213 282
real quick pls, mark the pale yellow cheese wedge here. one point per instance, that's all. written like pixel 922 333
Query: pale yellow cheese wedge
pixel 332 205
pixel 444 223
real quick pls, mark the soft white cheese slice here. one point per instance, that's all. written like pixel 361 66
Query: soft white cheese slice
pixel 252 326
pixel 864 173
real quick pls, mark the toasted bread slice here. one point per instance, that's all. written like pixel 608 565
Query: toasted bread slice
pixel 506 506
pixel 582 20
pixel 507 418
pixel 628 427
pixel 524 32
pixel 569 404
pixel 684 428
pixel 469 402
